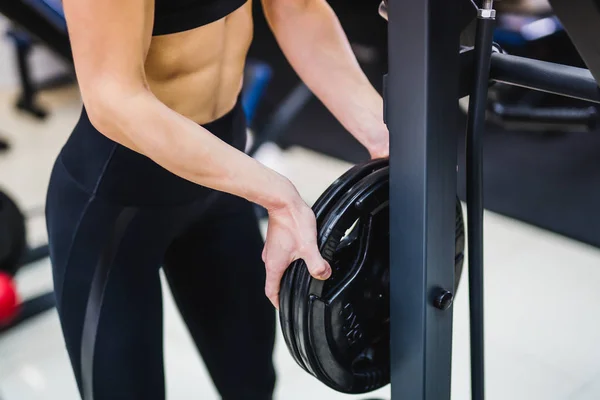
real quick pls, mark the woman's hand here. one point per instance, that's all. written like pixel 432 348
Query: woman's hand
pixel 379 147
pixel 291 235
pixel 375 136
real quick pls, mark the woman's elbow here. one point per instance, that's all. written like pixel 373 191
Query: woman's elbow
pixel 100 115
pixel 107 110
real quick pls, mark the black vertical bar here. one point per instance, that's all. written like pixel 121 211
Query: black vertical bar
pixel 422 111
pixel 475 130
pixel 23 48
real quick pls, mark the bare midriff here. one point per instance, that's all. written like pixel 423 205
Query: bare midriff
pixel 199 73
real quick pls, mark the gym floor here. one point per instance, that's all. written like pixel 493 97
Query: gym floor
pixel 541 289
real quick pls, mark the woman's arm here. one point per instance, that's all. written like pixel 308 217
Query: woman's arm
pixel 110 41
pixel 312 39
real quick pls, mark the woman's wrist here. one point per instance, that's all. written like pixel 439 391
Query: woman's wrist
pixel 277 192
pixel 379 144
pixel 375 137
pixel 369 127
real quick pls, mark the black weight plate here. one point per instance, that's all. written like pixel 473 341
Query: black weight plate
pixel 324 352
pixel 12 235
pixel 331 194
pixel 372 190
pixel 327 199
pixel 300 286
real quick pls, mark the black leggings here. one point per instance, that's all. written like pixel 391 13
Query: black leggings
pixel 114 219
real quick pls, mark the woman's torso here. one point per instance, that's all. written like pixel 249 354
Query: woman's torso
pixel 198 71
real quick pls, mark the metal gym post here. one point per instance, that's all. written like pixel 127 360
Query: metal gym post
pixel 421 112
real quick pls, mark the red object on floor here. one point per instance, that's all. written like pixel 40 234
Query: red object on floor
pixel 9 300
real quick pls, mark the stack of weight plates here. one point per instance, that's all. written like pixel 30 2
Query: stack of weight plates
pixel 338 330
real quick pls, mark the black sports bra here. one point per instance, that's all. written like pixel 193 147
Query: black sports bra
pixel 172 16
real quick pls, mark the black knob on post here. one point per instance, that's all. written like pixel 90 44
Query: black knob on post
pixel 443 300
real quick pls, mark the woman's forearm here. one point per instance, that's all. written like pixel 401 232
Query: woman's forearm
pixel 310 35
pixel 183 147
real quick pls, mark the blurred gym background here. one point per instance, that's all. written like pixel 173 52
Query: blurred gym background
pixel 542 195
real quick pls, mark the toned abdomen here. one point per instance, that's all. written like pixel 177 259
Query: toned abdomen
pixel 199 72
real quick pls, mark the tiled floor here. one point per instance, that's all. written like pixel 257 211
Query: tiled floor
pixel 542 321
